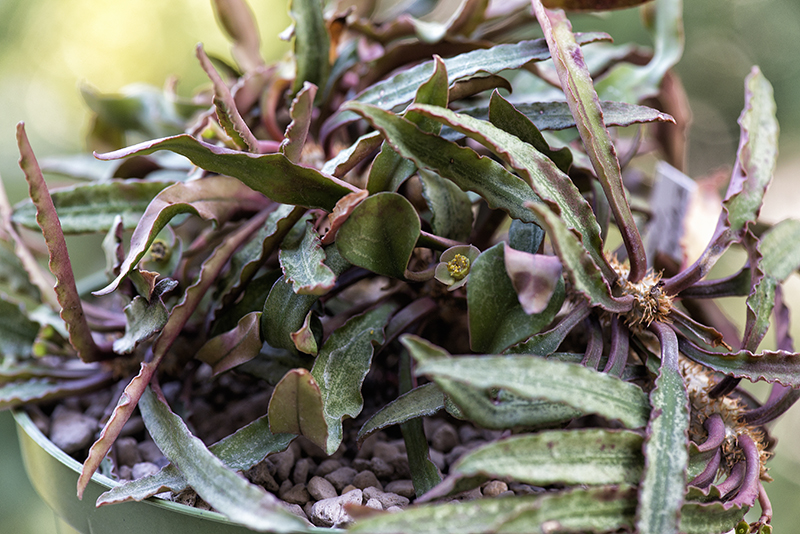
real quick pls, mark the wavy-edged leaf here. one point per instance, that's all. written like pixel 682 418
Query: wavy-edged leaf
pixel 233 347
pixel 240 451
pixel 311 44
pixel 216 198
pixel 221 487
pixel 592 5
pixel 497 320
pixel 297 131
pixel 144 317
pixel 271 174
pixel 584 104
pixel 602 509
pixel 227 113
pixel 17 331
pixel 451 209
pixel 341 212
pixel 237 20
pixel 584 456
pixel 666 448
pixel 537 378
pixel 13 394
pixel 302 260
pixel 401 88
pixel 92 207
pixel 780 255
pixel 547 343
pixel 389 169
pixel 421 401
pixel 380 234
pixel 577 262
pixel 462 165
pixel 549 183
pixel 771 366
pixel 305 339
pixel 343 363
pixel 702 518
pixel 296 407
pixel 80 336
pixel 351 156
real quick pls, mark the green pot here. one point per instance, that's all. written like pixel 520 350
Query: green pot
pixel 54 475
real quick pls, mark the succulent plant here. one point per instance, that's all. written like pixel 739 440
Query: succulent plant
pixel 374 202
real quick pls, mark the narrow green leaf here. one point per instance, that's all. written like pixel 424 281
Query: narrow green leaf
pixel 586 456
pixel 536 378
pixel 351 156
pixel 342 365
pixel 780 255
pixel 401 88
pixel 497 320
pixel 297 131
pixel 144 318
pixel 221 487
pixel 584 104
pixel 546 343
pixel 302 260
pixel 421 401
pixel 296 407
pixel 549 183
pixel 80 336
pixel 92 207
pixel 240 451
pixel 14 278
pixel 666 448
pixel 233 347
pixel 17 331
pixel 380 234
pixel 29 391
pixel 462 165
pixel 271 174
pixel 311 44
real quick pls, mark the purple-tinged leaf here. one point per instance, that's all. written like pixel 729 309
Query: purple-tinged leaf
pixel 304 339
pixel 735 285
pixel 618 351
pixel 696 332
pixel 300 111
pixel 343 364
pixel 548 182
pixel 344 207
pixel 380 234
pixel 311 44
pixel 296 407
pixel 240 451
pixel 462 165
pixel 80 336
pixel 237 20
pixel 585 107
pixel 145 317
pixel 234 347
pixel 534 277
pixel 592 5
pixel 113 248
pixel 227 113
pixel 421 401
pixel 216 198
pixel 666 453
pixel 302 261
pixel 271 174
pixel 218 485
pixel 578 263
pixel 14 394
pixel 546 343
pixel 748 491
pixel 401 88
pixel 477 84
pixel 347 159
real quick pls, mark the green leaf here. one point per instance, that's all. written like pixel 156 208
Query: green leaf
pixel 271 174
pixel 584 104
pixel 401 88
pixel 144 318
pixel 240 451
pixel 420 401
pixel 296 408
pixel 497 320
pixel 14 279
pixel 351 156
pixel 311 44
pixel 526 237
pixel 666 448
pixel 536 378
pixel 380 234
pixel 302 260
pixel 604 509
pixel 546 343
pixel 549 183
pixel 585 456
pixel 80 336
pixel 451 209
pixel 780 255
pixel 32 390
pixel 342 365
pixel 233 347
pixel 221 487
pixel 92 207
pixel 701 518
pixel 17 331
pixel 462 165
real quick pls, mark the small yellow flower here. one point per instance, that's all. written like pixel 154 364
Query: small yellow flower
pixel 458 267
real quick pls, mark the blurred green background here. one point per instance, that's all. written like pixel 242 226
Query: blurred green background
pixel 49 47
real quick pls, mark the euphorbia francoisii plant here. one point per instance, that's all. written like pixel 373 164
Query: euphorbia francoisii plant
pixel 374 195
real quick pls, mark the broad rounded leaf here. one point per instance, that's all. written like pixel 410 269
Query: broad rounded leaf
pixel 296 408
